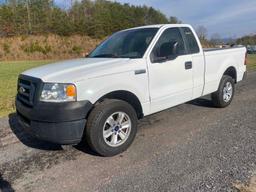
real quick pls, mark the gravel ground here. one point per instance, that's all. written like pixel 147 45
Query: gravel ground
pixel 191 147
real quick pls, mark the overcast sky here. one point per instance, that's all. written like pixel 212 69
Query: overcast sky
pixel 229 18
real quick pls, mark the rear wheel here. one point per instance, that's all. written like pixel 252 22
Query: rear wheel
pixel 111 127
pixel 224 95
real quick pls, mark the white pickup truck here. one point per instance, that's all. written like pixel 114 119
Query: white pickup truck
pixel 134 73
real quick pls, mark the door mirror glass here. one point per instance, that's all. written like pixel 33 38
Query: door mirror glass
pixel 168 47
pixel 167 51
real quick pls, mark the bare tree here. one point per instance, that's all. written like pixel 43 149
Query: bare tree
pixel 216 38
pixel 201 32
pixel 29 16
pixel 174 20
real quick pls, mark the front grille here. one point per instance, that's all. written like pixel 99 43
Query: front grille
pixel 26 91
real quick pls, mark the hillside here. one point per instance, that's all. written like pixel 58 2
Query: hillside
pixel 96 19
pixel 41 30
pixel 45 47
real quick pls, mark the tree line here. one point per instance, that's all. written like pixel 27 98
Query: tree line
pixel 96 19
pixel 247 40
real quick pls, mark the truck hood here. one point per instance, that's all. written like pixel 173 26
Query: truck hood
pixel 71 71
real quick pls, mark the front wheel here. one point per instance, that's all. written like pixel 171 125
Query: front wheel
pixel 225 93
pixel 111 127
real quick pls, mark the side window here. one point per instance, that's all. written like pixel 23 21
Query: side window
pixel 169 44
pixel 191 40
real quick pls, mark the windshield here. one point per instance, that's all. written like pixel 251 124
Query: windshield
pixel 125 44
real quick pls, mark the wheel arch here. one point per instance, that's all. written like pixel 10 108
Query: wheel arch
pixel 232 72
pixel 127 96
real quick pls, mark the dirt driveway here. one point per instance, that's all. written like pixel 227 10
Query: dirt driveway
pixel 192 147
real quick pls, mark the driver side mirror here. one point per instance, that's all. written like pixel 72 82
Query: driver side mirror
pixel 167 51
pixel 86 54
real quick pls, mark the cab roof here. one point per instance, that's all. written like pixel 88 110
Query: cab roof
pixel 160 26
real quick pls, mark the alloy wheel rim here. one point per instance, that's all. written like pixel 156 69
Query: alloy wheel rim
pixel 227 92
pixel 116 129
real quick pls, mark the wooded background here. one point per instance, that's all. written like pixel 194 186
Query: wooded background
pixel 39 29
pixel 96 19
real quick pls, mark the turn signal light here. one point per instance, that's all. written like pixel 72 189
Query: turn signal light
pixel 71 91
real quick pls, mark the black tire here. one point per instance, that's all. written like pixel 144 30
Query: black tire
pixel 218 96
pixel 96 122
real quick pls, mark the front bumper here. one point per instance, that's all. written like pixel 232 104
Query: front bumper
pixel 61 123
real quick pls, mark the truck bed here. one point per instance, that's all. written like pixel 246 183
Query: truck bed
pixel 218 60
pixel 219 49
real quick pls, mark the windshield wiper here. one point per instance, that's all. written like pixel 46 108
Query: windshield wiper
pixel 106 56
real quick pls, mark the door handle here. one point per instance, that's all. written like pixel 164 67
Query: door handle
pixel 188 65
pixel 140 71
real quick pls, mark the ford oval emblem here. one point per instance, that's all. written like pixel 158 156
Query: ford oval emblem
pixel 22 90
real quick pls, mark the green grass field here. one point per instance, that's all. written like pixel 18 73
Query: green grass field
pixel 252 62
pixel 9 72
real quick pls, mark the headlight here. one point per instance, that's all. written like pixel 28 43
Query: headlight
pixel 58 92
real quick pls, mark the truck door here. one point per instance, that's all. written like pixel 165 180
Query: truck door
pixel 170 71
pixel 197 59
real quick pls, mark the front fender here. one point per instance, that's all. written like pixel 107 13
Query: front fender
pixel 95 88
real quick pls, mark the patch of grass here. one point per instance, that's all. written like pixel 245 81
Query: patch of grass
pixel 45 47
pixel 9 71
pixel 252 62
pixel 77 49
pixel 6 48
pixel 33 47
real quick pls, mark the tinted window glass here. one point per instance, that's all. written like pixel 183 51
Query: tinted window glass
pixel 126 44
pixel 166 41
pixel 191 40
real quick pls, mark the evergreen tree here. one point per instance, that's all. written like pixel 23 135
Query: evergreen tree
pixel 98 18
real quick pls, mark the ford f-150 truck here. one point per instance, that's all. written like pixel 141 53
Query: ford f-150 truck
pixel 132 74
